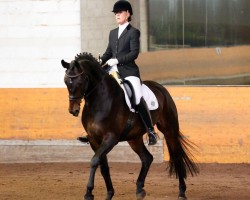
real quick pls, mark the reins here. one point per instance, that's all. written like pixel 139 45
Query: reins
pixel 93 89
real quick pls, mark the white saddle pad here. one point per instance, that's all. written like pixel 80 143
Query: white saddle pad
pixel 148 96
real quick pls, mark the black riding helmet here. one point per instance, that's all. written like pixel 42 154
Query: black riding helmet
pixel 123 5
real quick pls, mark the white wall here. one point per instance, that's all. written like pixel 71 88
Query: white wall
pixel 34 36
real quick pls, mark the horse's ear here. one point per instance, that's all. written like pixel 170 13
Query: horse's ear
pixel 65 64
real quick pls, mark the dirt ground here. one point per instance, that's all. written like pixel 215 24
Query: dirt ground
pixel 59 181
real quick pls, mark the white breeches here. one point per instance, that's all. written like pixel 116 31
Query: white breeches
pixel 136 83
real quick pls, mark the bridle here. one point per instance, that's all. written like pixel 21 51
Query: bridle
pixel 73 76
pixel 84 95
pixel 72 97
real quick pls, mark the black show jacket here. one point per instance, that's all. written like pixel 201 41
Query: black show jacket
pixel 125 49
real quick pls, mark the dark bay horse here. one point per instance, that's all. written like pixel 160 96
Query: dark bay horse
pixel 107 121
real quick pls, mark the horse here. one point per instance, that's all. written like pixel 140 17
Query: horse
pixel 108 121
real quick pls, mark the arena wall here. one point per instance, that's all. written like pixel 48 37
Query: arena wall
pixel 216 119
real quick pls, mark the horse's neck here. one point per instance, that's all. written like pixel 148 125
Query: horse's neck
pixel 108 93
pixel 106 104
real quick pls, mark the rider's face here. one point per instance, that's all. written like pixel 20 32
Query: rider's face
pixel 122 17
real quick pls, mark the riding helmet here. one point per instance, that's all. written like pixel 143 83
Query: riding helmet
pixel 122 5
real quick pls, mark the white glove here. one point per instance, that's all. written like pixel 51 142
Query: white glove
pixel 113 61
pixel 99 60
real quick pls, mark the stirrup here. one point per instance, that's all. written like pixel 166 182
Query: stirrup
pixel 152 138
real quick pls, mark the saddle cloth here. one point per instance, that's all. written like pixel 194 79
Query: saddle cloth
pixel 148 96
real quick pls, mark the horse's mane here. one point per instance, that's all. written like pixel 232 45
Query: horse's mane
pixel 86 56
pixel 89 57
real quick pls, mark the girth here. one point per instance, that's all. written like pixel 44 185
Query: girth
pixel 128 126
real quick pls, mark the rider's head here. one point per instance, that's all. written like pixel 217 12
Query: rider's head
pixel 122 6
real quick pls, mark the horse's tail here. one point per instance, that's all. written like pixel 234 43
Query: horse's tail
pixel 181 159
pixel 179 147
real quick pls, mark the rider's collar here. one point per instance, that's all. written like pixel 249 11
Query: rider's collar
pixel 122 28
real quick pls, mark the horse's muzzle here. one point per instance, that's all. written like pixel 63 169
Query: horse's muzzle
pixel 74 108
pixel 75 113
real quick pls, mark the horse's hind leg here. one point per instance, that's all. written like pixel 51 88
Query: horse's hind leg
pixel 146 160
pixel 106 175
pixel 177 145
pixel 176 164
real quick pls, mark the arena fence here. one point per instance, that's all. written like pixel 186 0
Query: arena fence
pixel 36 126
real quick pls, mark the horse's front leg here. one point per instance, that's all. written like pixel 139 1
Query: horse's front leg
pixel 90 186
pixel 105 147
pixel 146 160
pixel 106 175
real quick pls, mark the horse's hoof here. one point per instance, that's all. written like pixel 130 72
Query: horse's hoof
pixel 141 195
pixel 182 198
pixel 89 197
pixel 110 195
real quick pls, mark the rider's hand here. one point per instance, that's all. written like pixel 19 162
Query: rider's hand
pixel 99 60
pixel 113 61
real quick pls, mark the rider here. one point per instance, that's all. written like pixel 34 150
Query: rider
pixel 123 48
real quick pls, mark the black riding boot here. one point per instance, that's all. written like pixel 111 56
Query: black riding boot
pixel 83 139
pixel 144 113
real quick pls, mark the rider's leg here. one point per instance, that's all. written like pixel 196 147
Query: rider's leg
pixel 83 139
pixel 142 109
pixel 144 113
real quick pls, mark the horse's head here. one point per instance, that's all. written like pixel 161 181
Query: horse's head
pixel 77 82
pixel 80 78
